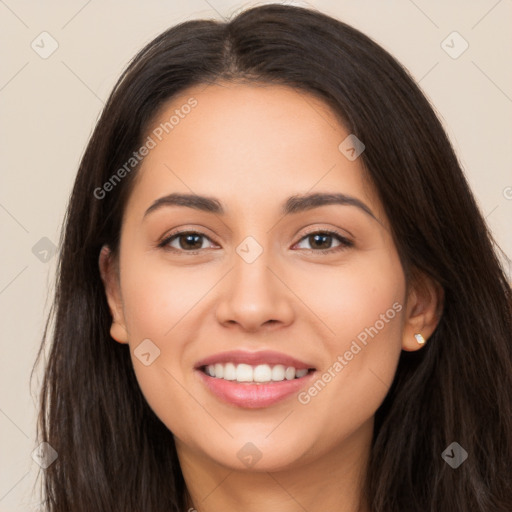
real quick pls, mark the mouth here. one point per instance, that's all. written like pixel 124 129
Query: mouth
pixel 254 380
pixel 254 374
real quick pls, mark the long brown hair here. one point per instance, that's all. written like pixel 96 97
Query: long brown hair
pixel 114 454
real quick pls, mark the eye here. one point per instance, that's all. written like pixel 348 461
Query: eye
pixel 321 241
pixel 187 241
pixel 191 242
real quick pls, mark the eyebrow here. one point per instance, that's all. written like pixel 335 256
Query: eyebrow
pixel 292 205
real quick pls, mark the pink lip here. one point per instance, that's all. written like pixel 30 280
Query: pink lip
pixel 251 395
pixel 254 358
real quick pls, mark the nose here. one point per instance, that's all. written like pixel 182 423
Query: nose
pixel 255 296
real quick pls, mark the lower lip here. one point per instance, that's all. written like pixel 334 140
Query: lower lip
pixel 251 395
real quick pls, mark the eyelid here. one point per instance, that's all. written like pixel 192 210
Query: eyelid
pixel 330 230
pixel 345 242
pixel 165 240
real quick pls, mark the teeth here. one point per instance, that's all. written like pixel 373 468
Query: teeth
pixel 229 372
pixel 219 370
pixel 244 373
pixel 260 373
pixel 278 372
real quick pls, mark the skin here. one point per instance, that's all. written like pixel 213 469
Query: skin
pixel 251 147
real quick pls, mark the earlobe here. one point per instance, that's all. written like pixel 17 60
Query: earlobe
pixel 110 279
pixel 425 303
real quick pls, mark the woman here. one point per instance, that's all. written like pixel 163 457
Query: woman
pixel 275 291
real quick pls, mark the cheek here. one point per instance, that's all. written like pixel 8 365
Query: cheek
pixel 362 306
pixel 362 361
pixel 158 302
pixel 350 298
pixel 157 296
pixel 162 304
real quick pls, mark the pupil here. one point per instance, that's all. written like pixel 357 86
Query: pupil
pixel 325 246
pixel 188 238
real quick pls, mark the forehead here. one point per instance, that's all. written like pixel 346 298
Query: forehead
pixel 250 144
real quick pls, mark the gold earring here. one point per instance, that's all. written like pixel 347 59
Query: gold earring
pixel 419 338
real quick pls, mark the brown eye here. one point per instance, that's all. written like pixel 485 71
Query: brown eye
pixel 190 241
pixel 184 241
pixel 321 241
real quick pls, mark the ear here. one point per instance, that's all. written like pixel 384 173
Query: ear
pixel 425 302
pixel 110 277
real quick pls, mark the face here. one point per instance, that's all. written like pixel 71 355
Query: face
pixel 262 284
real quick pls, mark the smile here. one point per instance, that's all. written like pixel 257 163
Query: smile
pixel 256 374
pixel 253 379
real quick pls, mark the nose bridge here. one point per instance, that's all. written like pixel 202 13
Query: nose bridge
pixel 253 294
pixel 252 278
pixel 253 266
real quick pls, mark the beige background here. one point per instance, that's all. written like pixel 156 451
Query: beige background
pixel 49 108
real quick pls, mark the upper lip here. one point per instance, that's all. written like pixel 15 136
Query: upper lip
pixel 254 358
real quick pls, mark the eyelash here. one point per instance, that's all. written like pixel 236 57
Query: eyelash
pixel 344 242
